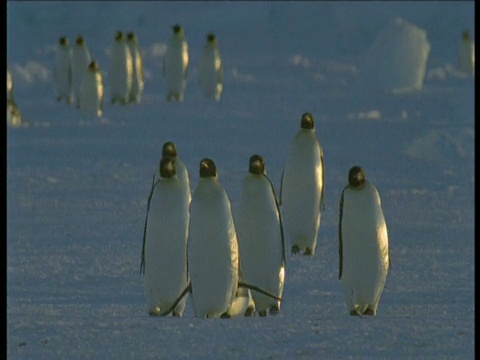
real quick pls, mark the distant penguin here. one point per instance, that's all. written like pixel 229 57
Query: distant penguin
pixel 302 188
pixel 466 54
pixel 260 236
pixel 364 256
pixel 92 91
pixel 164 250
pixel 169 149
pixel 138 82
pixel 81 58
pixel 63 71
pixel 14 116
pixel 210 72
pixel 120 73
pixel 213 260
pixel 176 64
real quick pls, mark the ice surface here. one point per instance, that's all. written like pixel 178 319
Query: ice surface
pixel 77 190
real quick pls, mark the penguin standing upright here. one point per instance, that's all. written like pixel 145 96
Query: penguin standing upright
pixel 210 72
pixel 260 236
pixel 175 65
pixel 81 58
pixel 213 260
pixel 63 71
pixel 164 250
pixel 364 256
pixel 92 91
pixel 466 54
pixel 138 82
pixel 14 116
pixel 121 70
pixel 302 188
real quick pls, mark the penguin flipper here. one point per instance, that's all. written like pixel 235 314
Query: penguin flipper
pixel 281 187
pixel 188 289
pixel 256 288
pixel 142 263
pixel 340 242
pixel 282 235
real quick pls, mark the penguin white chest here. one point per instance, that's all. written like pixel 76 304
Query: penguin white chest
pixel 166 246
pixel 260 241
pixel 80 60
pixel 302 188
pixel 364 249
pixel 210 74
pixel 212 250
pixel 63 74
pixel 176 65
pixel 121 72
pixel 91 94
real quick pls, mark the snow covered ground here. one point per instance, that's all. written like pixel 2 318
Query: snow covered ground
pixel 77 190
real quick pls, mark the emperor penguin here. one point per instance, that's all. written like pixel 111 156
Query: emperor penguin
pixel 213 258
pixel 63 71
pixel 466 54
pixel 164 250
pixel 364 256
pixel 92 91
pixel 138 82
pixel 210 72
pixel 260 236
pixel 121 70
pixel 81 58
pixel 169 149
pixel 14 116
pixel 176 64
pixel 303 188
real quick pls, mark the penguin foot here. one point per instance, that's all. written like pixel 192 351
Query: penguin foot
pixel 355 312
pixel 307 252
pixel 262 313
pixel 176 314
pixel 250 311
pixel 369 312
pixel 274 310
pixel 225 315
pixel 295 249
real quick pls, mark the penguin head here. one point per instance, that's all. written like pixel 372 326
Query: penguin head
pixel 93 66
pixel 307 121
pixel 256 165
pixel 80 40
pixel 466 35
pixel 177 29
pixel 64 41
pixel 211 38
pixel 208 169
pixel 167 167
pixel 356 177
pixel 131 36
pixel 169 149
pixel 118 36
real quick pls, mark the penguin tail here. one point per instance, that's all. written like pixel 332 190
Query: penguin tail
pixel 188 289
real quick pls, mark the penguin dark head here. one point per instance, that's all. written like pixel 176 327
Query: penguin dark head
pixel 211 38
pixel 118 35
pixel 167 167
pixel 64 41
pixel 169 149
pixel 466 35
pixel 131 36
pixel 208 169
pixel 307 121
pixel 177 28
pixel 256 165
pixel 80 40
pixel 356 177
pixel 93 66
